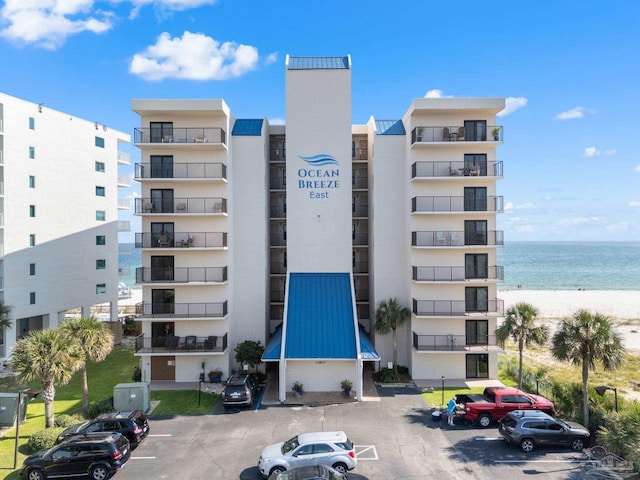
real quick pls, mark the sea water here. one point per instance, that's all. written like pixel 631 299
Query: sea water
pixel 570 265
pixel 530 265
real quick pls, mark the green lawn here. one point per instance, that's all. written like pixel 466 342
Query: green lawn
pixel 117 368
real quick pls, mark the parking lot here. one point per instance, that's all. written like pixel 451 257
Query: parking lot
pixel 394 435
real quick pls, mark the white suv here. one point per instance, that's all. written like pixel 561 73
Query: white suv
pixel 318 448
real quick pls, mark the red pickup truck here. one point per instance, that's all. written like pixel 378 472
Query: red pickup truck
pixel 496 402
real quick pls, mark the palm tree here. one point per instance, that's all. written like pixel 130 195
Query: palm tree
pixel 5 316
pixel 389 316
pixel 51 356
pixel 588 339
pixel 520 325
pixel 96 342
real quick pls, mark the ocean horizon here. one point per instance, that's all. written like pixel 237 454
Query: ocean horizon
pixel 529 265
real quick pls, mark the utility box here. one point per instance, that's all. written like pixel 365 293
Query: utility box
pixel 9 410
pixel 131 396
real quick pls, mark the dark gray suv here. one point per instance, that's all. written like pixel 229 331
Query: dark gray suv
pixel 530 428
pixel 240 391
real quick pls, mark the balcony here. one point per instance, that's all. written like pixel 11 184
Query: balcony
pixel 124 181
pixel 456 308
pixel 360 182
pixel 277 211
pixel 124 226
pixel 278 240
pixel 422 170
pixel 181 310
pixel 362 294
pixel 277 183
pixel 177 345
pixel 457 239
pixel 277 296
pixel 278 268
pixel 207 205
pixel 457 274
pixel 124 158
pixel 361 267
pixel 124 203
pixel 360 211
pixel 175 135
pixel 181 240
pixel 359 154
pixel 491 204
pixel 192 171
pixel 181 275
pixel 360 240
pixel 278 155
pixel 452 134
pixel 455 343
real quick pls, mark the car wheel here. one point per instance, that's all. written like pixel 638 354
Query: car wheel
pixel 484 420
pixel 99 472
pixel 527 445
pixel 577 444
pixel 35 474
pixel 276 470
pixel 340 467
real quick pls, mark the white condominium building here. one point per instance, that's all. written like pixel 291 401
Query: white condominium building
pixel 58 215
pixel 292 235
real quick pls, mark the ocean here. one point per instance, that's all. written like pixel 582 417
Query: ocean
pixel 532 265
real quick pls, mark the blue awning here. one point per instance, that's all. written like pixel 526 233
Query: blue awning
pixel 367 350
pixel 272 350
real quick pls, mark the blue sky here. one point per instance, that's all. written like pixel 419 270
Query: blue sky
pixel 570 71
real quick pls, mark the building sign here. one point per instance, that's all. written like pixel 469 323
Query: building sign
pixel 320 176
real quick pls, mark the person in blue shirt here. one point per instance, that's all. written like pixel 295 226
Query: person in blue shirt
pixel 451 410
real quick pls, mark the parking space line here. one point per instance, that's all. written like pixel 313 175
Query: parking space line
pixel 370 451
pixel 488 439
pixel 142 458
pixel 542 461
pixel 159 435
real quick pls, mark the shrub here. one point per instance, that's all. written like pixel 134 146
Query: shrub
pixel 64 421
pixel 389 375
pixel 103 406
pixel 43 439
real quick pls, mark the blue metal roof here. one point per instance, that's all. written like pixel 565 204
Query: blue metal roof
pixel 367 350
pixel 320 317
pixel 390 127
pixel 272 350
pixel 247 127
pixel 318 63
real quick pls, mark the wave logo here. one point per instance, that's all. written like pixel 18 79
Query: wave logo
pixel 320 160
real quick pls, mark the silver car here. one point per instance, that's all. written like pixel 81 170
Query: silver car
pixel 318 448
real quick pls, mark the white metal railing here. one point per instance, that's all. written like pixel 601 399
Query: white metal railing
pixel 1 219
pixel 124 180
pixel 124 203
pixel 1 157
pixel 124 158
pixel 124 226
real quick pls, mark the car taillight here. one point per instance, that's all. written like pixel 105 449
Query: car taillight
pixel 117 455
pixel 137 430
pixel 352 454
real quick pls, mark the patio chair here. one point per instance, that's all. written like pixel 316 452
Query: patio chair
pixel 174 341
pixel 210 343
pixel 190 342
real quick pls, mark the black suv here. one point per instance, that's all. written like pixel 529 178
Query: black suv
pixel 98 455
pixel 240 391
pixel 133 425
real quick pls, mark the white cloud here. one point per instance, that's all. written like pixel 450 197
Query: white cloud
pixel 634 204
pixel 512 104
pixel 163 6
pixel 637 169
pixel 577 112
pixel 594 152
pixel 277 121
pixel 436 93
pixel 48 23
pixel 524 206
pixel 194 56
pixel 573 221
pixel 271 58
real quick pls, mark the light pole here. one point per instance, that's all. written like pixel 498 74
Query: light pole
pixel 603 388
pixel 442 403
pixel 31 394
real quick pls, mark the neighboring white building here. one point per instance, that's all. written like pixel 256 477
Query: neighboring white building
pixel 58 215
pixel 292 235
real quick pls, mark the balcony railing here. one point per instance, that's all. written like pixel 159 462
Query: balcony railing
pixel 181 205
pixel 124 158
pixel 484 133
pixel 277 183
pixel 181 170
pixel 181 275
pixel 277 155
pixel 448 308
pixel 277 295
pixel 362 294
pixel 457 274
pixel 181 240
pixel 124 180
pixel 278 211
pixel 278 240
pixel 360 239
pixel 455 169
pixel 456 204
pixel 360 211
pixel 360 182
pixel 180 135
pixel 175 344
pixel 181 310
pixel 359 154
pixel 456 239
pixel 361 267
pixel 278 268
pixel 124 226
pixel 124 203
pixel 454 343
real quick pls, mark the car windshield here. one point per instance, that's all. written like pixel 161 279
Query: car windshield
pixel 563 424
pixel 290 444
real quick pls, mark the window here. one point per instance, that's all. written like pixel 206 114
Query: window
pixel 101 239
pixel 32 240
pixel 99 191
pixel 161 166
pixel 32 181
pixel 101 215
pixel 161 268
pixel 475 232
pixel 32 269
pixel 477 366
pixel 476 299
pixel 475 164
pixel 476 265
pixel 101 288
pixel 162 234
pixel 475 199
pixel 32 210
pixel 162 301
pixel 32 152
pixel 101 264
pixel 100 142
pixel 161 132
pixel 477 332
pixel 99 166
pixel 32 123
pixel 162 200
pixel 32 298
pixel 475 130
